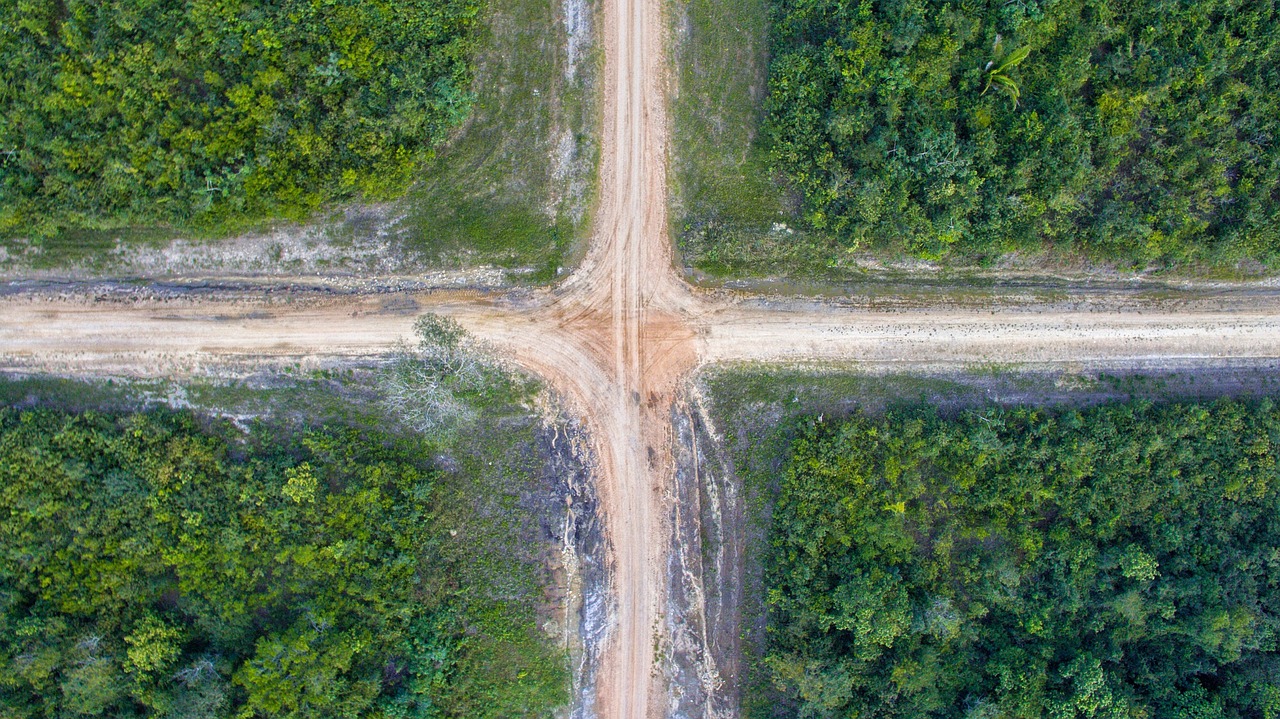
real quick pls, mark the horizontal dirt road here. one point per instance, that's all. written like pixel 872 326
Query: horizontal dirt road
pixel 618 356
pixel 145 338
pixel 1001 336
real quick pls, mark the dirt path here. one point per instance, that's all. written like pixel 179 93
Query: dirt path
pixel 618 337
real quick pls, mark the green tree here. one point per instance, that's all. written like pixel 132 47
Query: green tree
pixel 165 564
pixel 202 112
pixel 1140 132
pixel 1111 562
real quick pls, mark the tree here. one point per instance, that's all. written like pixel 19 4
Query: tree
pixel 1111 562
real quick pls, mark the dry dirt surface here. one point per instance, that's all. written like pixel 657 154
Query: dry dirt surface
pixel 618 337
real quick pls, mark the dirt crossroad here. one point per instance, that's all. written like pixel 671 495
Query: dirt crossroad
pixel 621 333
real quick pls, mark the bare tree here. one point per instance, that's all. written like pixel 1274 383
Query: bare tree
pixel 422 384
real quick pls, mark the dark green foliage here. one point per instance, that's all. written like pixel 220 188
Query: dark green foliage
pixel 202 111
pixel 1142 131
pixel 1122 561
pixel 152 567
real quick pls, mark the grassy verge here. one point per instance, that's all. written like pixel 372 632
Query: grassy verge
pixel 511 188
pixel 732 219
pixel 760 412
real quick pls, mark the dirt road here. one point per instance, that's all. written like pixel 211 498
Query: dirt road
pixel 620 334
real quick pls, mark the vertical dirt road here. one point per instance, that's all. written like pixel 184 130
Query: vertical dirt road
pixel 628 313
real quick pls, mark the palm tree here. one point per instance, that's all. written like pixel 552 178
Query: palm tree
pixel 996 74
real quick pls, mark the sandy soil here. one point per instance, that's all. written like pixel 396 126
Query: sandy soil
pixel 618 337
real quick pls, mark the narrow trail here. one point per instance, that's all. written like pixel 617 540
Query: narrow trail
pixel 619 336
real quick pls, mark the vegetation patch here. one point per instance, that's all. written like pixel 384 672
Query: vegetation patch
pixel 128 113
pixel 758 415
pixel 1135 132
pixel 327 137
pixel 1114 561
pixel 314 555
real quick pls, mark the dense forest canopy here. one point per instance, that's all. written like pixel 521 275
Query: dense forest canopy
pixel 204 111
pixel 155 566
pixel 1122 561
pixel 1140 130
